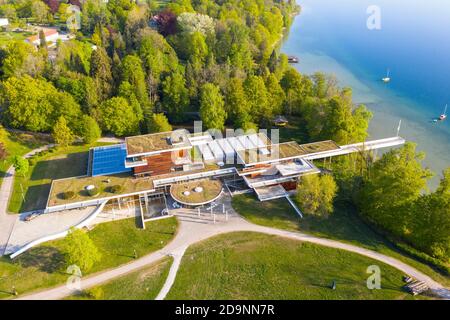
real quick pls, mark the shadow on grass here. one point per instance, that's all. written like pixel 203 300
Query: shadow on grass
pixel 46 259
pixel 73 164
pixel 35 198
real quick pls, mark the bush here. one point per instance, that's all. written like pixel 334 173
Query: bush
pixel 68 195
pixel 32 161
pixel 115 189
pixel 93 192
pixel 422 256
pixel 95 293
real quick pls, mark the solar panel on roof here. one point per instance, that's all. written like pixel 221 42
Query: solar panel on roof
pixel 109 160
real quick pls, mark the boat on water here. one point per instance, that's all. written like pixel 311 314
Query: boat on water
pixel 292 59
pixel 387 79
pixel 443 116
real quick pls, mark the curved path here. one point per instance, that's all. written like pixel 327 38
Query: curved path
pixel 192 231
pixel 7 221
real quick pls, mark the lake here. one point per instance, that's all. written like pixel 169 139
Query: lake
pixel 413 42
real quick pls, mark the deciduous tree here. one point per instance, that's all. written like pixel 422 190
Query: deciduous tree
pixel 212 110
pixel 61 133
pixel 80 250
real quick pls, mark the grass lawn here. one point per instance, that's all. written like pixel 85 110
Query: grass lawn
pixel 6 37
pixel 256 266
pixel 143 284
pixel 17 144
pixel 31 192
pixel 44 266
pixel 343 225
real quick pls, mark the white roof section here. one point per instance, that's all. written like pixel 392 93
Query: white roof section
pixel 226 148
pixel 246 142
pixel 235 144
pixel 206 153
pixel 257 140
pixel 216 150
pixel 200 139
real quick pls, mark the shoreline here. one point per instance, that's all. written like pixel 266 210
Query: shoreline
pixel 387 105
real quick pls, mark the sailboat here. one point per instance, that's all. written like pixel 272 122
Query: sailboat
pixel 387 78
pixel 443 116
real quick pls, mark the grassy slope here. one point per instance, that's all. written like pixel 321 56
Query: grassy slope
pixel 17 144
pixel 44 266
pixel 343 225
pixel 143 284
pixel 60 163
pixel 256 266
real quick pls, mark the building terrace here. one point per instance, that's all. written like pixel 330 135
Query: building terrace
pixel 284 151
pixel 129 186
pixel 157 142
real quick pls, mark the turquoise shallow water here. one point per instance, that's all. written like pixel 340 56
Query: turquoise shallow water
pixel 413 42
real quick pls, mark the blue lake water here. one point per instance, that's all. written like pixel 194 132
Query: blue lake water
pixel 413 42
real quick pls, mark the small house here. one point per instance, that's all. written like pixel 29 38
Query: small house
pixel 280 121
pixel 51 35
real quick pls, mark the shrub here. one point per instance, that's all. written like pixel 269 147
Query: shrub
pixel 32 161
pixel 68 195
pixel 95 293
pixel 93 192
pixel 115 189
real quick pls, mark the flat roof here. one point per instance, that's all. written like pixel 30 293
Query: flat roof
pixel 282 151
pixel 157 142
pixel 130 185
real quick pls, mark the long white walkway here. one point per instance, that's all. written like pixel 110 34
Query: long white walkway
pixel 358 147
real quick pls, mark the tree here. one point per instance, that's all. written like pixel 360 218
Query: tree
pixel 159 123
pixel 21 165
pixel 212 110
pixel 39 11
pixel 175 95
pixel 3 152
pixel 275 94
pixel 343 124
pixel 35 104
pixel 444 186
pixel 430 225
pixel 101 72
pixel 21 58
pixel 132 72
pixel 117 116
pixel 315 194
pixel 256 94
pixel 80 250
pixel 53 5
pixel 236 103
pixel 296 88
pixel 42 40
pixel 61 133
pixel 195 22
pixel 167 22
pixel 395 181
pixel 89 129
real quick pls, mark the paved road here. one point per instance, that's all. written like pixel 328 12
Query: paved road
pixel 7 221
pixel 192 230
